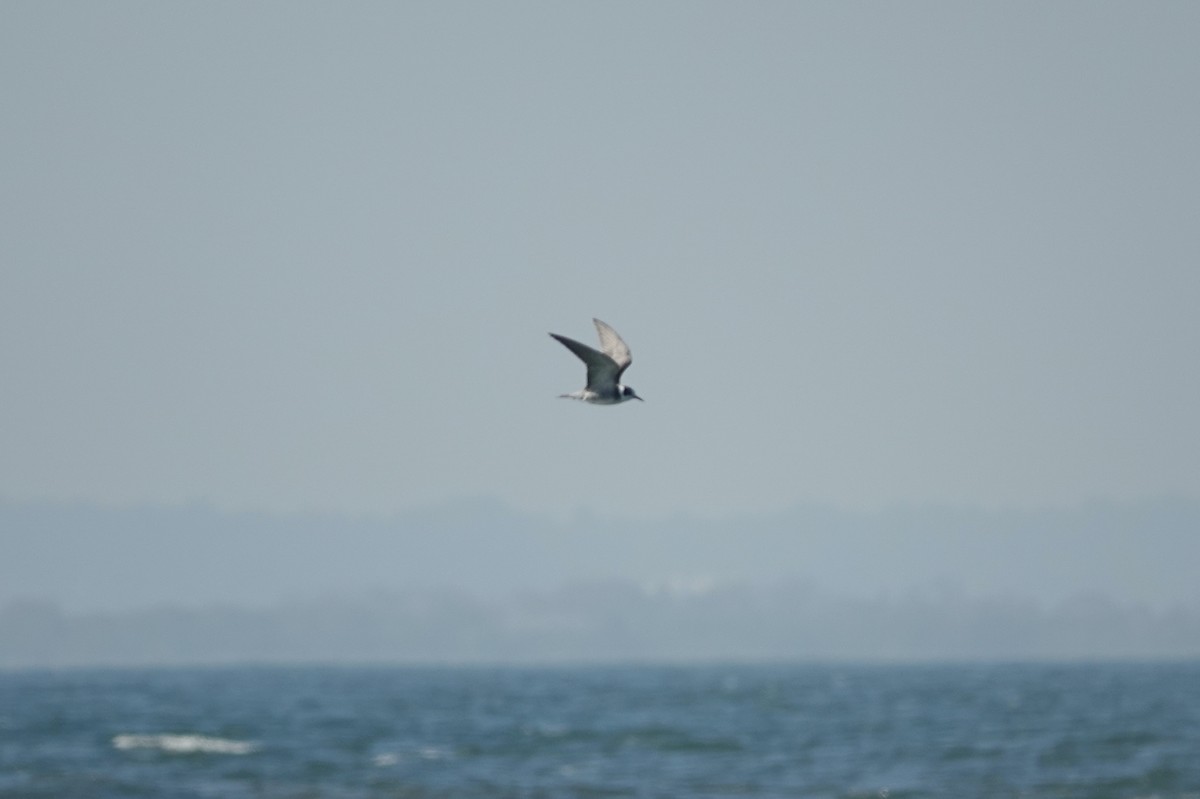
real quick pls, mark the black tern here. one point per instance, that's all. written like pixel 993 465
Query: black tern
pixel 604 367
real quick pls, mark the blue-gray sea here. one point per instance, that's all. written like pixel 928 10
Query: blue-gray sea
pixel 1077 730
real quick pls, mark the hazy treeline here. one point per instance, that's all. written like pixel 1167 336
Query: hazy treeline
pixel 478 581
pixel 601 622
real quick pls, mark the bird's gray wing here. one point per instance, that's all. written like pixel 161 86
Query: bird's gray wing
pixel 614 347
pixel 602 371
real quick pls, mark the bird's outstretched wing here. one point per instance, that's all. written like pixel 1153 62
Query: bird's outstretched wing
pixel 613 346
pixel 602 370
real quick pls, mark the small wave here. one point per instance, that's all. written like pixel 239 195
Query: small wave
pixel 184 744
pixel 435 753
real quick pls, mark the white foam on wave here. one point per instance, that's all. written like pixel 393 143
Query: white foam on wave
pixel 184 744
pixel 434 753
pixel 384 759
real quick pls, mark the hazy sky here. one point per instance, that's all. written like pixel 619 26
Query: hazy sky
pixel 287 256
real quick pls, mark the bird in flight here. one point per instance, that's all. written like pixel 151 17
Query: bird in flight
pixel 604 367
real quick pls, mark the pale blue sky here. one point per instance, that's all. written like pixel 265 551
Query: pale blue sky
pixel 292 256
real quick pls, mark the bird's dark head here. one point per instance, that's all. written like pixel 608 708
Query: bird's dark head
pixel 627 393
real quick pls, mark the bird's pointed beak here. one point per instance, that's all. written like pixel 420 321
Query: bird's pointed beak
pixel 639 399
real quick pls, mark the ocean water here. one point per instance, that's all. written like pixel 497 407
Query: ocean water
pixel 1087 730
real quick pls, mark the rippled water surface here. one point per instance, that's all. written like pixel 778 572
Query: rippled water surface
pixel 703 731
